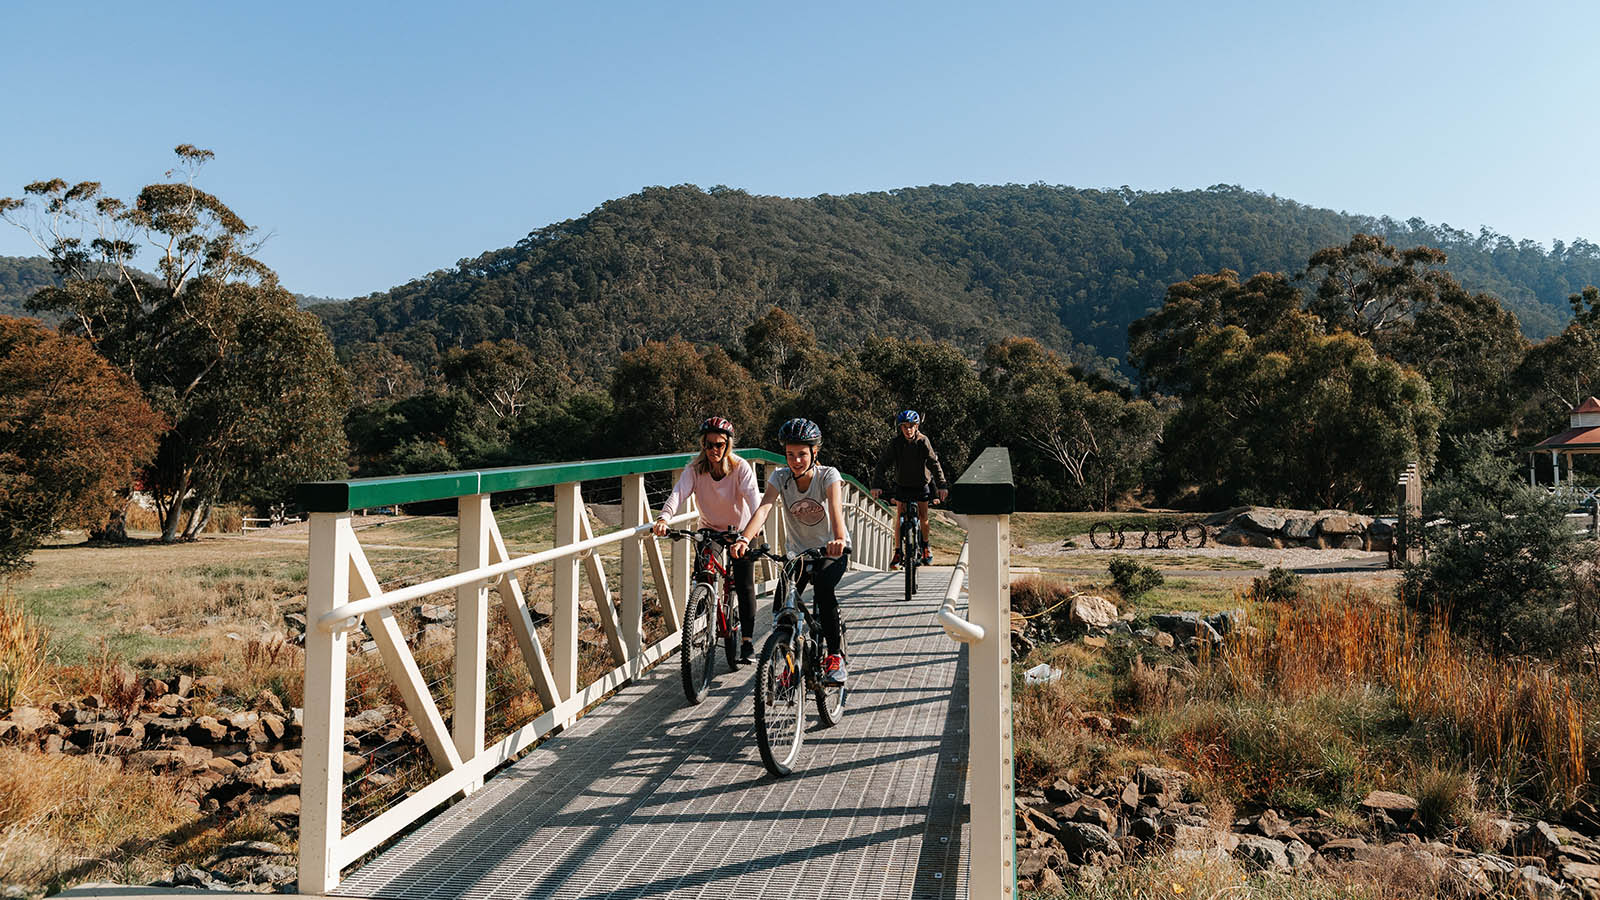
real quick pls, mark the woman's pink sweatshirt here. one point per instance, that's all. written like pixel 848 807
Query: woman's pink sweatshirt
pixel 728 503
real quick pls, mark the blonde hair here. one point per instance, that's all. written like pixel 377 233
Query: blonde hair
pixel 730 463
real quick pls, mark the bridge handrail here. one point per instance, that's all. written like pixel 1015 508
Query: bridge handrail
pixel 343 591
pixel 388 490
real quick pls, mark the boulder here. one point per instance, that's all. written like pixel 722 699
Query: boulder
pixel 168 761
pixel 1299 528
pixel 1260 521
pixel 1233 536
pixel 1262 853
pixel 1538 839
pixel 1398 807
pixel 28 719
pixel 374 719
pixel 208 686
pixel 1083 838
pixel 434 612
pixel 266 703
pixel 1092 612
pixel 206 730
pixel 1226 622
pixel 183 686
pixel 1184 626
pixel 1156 780
pixel 1348 849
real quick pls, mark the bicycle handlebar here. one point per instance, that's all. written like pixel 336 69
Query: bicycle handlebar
pixel 785 559
pixel 725 538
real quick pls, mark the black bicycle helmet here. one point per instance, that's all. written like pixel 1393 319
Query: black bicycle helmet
pixel 800 431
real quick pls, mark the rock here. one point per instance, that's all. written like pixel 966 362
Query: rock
pixel 1092 612
pixel 252 848
pixel 285 806
pixel 1094 641
pixel 289 762
pixel 1049 883
pixel 166 728
pixel 1156 780
pixel 1299 528
pixel 206 730
pixel 1083 838
pixel 1398 807
pixel 374 719
pixel 1346 849
pixel 1154 636
pixel 274 873
pixel 1093 811
pixel 1144 828
pixel 52 743
pixel 267 702
pixel 28 720
pixel 1226 622
pixel 273 727
pixel 1185 625
pixel 241 721
pixel 1262 853
pixel 1259 520
pixel 1021 645
pixel 183 686
pixel 1298 853
pixel 1234 536
pixel 168 761
pixel 433 635
pixel 208 686
pixel 434 612
pixel 1123 724
pixel 1198 837
pixel 1062 791
pixel 186 875
pixel 1532 883
pixel 1538 839
pixel 1130 796
pixel 544 609
pixel 222 765
pixel 168 705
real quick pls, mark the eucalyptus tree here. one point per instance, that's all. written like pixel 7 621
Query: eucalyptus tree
pixel 249 383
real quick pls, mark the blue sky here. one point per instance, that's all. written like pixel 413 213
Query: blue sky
pixel 379 142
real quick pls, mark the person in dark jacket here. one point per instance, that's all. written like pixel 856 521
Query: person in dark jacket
pixel 917 475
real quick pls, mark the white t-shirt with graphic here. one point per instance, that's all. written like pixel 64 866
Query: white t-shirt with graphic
pixel 806 512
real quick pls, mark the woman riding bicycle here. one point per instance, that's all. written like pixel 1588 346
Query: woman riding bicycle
pixel 813 504
pixel 724 487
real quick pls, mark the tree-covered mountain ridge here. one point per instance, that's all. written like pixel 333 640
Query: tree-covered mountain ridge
pixel 967 263
pixel 20 276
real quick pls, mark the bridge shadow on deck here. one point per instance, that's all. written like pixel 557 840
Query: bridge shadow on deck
pixel 649 797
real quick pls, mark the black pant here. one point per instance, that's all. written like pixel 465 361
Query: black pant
pixel 824 575
pixel 744 585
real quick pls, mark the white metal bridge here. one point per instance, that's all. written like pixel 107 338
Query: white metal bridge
pixel 643 795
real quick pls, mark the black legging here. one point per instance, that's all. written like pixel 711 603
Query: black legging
pixel 744 585
pixel 824 575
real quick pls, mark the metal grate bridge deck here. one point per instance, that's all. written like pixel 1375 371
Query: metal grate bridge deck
pixel 646 796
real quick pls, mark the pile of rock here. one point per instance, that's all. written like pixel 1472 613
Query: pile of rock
pixel 1257 526
pixel 1070 836
pixel 1098 623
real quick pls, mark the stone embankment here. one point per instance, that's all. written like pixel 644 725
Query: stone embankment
pixel 1070 835
pixel 230 759
pixel 1323 529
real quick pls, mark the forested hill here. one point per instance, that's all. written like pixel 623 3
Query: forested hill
pixel 20 276
pixel 968 263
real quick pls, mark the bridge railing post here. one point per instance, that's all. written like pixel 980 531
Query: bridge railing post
pixel 986 497
pixel 472 629
pixel 322 744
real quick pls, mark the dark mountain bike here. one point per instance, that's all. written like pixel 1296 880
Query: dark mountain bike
pixel 791 666
pixel 708 613
pixel 910 539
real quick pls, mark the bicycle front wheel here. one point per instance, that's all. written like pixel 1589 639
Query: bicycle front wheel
pixel 908 561
pixel 698 640
pixel 780 703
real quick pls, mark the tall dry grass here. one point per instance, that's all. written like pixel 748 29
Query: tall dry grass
pixel 66 819
pixel 1521 720
pixel 22 650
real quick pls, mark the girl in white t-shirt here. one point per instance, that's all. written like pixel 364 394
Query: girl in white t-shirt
pixel 812 501
pixel 724 488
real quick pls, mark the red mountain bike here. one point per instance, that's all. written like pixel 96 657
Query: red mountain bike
pixel 708 614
